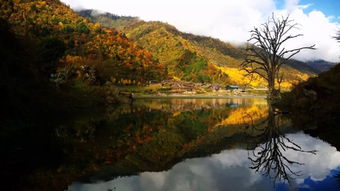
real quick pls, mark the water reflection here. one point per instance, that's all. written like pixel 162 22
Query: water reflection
pixel 278 152
pixel 269 158
pixel 149 135
pixel 155 144
pixel 228 170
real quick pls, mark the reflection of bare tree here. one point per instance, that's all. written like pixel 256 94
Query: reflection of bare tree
pixel 269 158
pixel 337 176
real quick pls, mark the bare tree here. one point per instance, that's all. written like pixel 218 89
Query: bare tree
pixel 266 52
pixel 338 36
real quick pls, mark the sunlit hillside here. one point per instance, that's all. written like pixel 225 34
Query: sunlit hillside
pixel 195 58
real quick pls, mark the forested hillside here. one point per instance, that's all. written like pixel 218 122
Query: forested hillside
pixel 315 103
pixel 318 95
pixel 89 50
pixel 191 57
pixel 54 65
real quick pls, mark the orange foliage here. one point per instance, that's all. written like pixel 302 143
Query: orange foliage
pixel 84 40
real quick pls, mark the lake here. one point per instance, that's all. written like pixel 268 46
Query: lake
pixel 188 144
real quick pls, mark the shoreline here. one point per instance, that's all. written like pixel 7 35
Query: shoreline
pixel 196 96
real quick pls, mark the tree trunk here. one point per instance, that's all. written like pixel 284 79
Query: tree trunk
pixel 271 87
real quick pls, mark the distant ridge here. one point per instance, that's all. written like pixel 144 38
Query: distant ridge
pixel 321 65
pixel 179 51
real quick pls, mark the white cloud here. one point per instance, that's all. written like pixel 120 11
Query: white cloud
pixel 317 29
pixel 291 4
pixel 227 20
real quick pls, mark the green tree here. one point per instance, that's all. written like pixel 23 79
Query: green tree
pixel 50 50
pixel 82 28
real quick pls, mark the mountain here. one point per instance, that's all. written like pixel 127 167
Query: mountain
pixel 85 45
pixel 317 95
pixel 54 65
pixel 107 19
pixel 315 103
pixel 321 65
pixel 191 57
pixel 74 48
pixel 302 66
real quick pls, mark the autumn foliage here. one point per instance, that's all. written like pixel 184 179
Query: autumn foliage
pixel 107 51
pixel 191 57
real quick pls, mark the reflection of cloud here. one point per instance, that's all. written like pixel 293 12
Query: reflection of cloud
pixel 228 170
pixel 154 180
pixel 317 166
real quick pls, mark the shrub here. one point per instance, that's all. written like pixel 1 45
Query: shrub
pixel 82 28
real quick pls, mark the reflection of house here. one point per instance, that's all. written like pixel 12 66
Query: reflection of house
pixel 231 87
pixel 232 105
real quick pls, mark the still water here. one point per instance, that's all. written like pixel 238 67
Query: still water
pixel 184 145
pixel 215 144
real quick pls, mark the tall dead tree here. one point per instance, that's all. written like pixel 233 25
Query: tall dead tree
pixel 266 52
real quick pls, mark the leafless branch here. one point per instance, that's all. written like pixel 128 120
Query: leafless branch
pixel 266 50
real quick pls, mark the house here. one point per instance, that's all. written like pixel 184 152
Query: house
pixel 231 87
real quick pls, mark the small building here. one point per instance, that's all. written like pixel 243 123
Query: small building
pixel 231 87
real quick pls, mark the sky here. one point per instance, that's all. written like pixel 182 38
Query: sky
pixel 231 21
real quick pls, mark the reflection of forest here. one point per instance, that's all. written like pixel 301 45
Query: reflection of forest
pixel 245 115
pixel 150 135
pixel 175 105
pixel 326 128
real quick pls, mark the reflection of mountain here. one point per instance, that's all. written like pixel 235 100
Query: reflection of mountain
pixel 143 137
pixel 245 116
pixel 180 105
pixel 228 170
